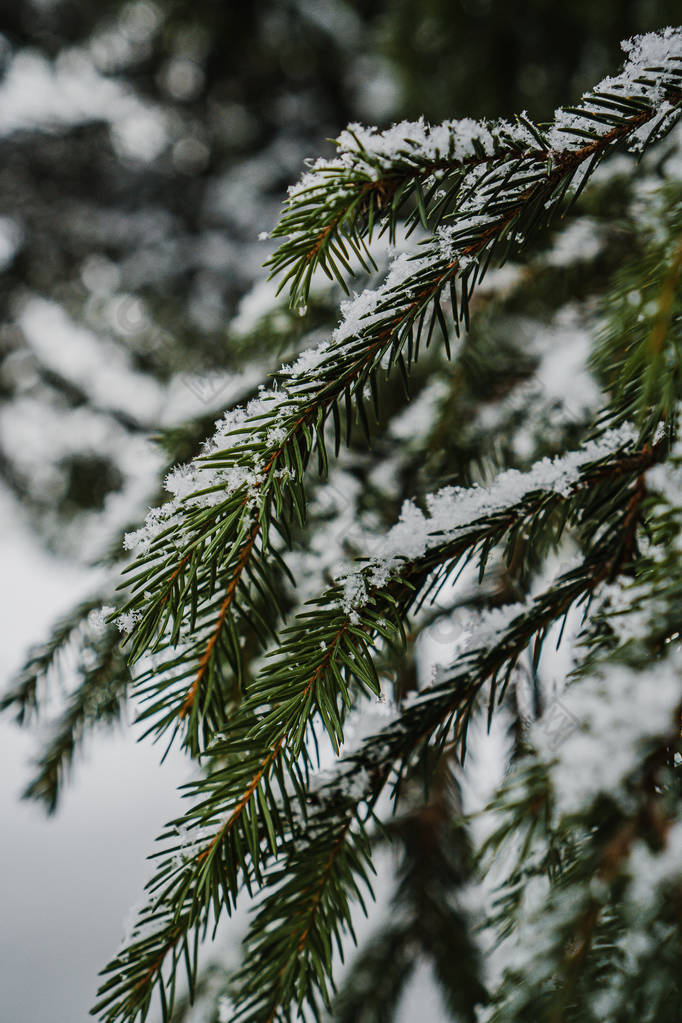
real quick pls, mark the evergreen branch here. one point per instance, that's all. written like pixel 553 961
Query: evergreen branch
pixel 426 917
pixel 584 922
pixel 277 968
pixel 99 698
pixel 43 659
pixel 185 681
pixel 258 822
pixel 205 659
pixel 639 344
pixel 246 508
pixel 204 864
pixel 441 167
pixel 327 650
pixel 583 824
pixel 207 568
pixel 290 942
pixel 306 674
pixel 243 486
pixel 330 209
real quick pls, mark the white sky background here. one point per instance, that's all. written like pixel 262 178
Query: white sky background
pixel 67 882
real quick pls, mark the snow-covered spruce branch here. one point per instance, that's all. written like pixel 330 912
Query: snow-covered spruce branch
pixel 595 817
pixel 305 914
pixel 466 169
pixel 206 568
pixel 207 551
pixel 616 830
pixel 292 939
pixel 289 948
pixel 208 856
pixel 168 686
pixel 246 808
pixel 327 652
pixel 213 537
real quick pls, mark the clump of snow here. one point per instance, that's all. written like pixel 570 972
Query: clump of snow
pixel 97 619
pixel 226 1009
pixel 39 93
pixel 100 368
pixel 308 361
pixel 666 480
pixel 362 311
pixel 652 872
pixel 127 621
pixel 542 404
pixel 369 153
pixel 620 713
pixel 202 484
pixel 480 631
pixel 644 52
pixel 579 242
pixel 454 509
pixel 418 417
pixel 255 306
pixel 373 151
pixel 628 607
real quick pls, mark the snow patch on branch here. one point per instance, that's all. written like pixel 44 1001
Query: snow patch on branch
pixel 660 50
pixel 452 510
pixel 621 714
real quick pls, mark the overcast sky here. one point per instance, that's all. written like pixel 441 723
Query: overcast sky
pixel 66 883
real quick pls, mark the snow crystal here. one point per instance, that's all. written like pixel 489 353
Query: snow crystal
pixel 97 619
pixel 127 621
pixel 653 871
pixel 651 49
